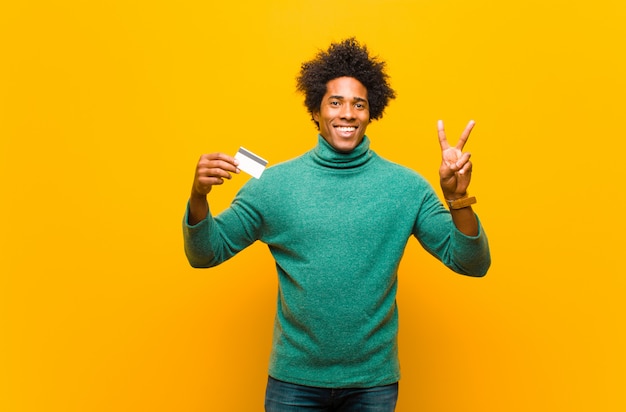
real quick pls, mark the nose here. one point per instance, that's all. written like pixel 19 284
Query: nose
pixel 347 111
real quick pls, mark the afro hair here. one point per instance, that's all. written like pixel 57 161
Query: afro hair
pixel 345 59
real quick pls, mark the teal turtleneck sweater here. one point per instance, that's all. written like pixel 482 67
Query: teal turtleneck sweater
pixel 337 225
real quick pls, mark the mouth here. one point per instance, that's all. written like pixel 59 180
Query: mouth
pixel 345 131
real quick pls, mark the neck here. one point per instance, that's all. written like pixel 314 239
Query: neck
pixel 325 155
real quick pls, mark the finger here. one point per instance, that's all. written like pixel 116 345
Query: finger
pixel 207 175
pixel 220 157
pixel 219 160
pixel 218 172
pixel 465 135
pixel 207 181
pixel 203 184
pixel 466 169
pixel 443 142
pixel 463 161
pixel 222 165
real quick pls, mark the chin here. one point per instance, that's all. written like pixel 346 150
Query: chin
pixel 345 147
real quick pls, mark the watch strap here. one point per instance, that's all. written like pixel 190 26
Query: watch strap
pixel 461 203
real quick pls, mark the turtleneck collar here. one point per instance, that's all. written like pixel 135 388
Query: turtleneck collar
pixel 325 155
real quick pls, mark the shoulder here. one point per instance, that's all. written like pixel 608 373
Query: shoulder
pixel 403 182
pixel 286 166
pixel 399 172
pixel 276 178
pixel 284 172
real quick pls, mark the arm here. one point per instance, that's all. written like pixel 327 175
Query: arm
pixel 437 233
pixel 205 243
pixel 455 174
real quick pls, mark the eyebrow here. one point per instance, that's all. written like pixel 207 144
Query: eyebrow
pixel 358 99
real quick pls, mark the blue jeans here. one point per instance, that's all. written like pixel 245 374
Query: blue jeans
pixel 288 397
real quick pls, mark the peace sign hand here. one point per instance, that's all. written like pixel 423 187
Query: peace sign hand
pixel 455 171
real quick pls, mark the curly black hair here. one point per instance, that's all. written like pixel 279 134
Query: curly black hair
pixel 345 59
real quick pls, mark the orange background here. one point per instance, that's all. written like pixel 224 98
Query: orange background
pixel 105 108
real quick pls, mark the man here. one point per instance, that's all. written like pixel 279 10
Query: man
pixel 337 220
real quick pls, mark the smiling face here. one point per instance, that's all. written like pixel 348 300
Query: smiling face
pixel 344 113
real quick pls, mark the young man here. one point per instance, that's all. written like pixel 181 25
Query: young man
pixel 337 220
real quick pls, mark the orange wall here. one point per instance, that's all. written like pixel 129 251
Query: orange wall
pixel 105 108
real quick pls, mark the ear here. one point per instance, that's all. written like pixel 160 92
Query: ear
pixel 316 116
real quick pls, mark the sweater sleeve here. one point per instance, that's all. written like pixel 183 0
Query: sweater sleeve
pixel 435 230
pixel 218 238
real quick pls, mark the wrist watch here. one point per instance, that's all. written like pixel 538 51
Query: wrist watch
pixel 461 203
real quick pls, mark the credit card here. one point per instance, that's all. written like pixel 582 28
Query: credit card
pixel 250 163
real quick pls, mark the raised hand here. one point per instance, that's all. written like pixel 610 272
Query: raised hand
pixel 455 171
pixel 211 170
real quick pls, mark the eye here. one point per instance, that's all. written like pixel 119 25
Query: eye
pixel 334 103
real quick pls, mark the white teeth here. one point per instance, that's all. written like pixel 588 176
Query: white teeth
pixel 346 129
